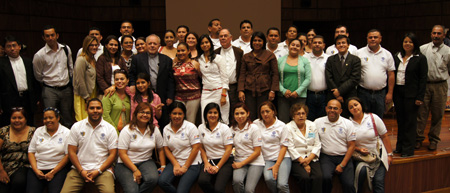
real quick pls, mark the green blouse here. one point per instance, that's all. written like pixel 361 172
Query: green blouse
pixel 112 107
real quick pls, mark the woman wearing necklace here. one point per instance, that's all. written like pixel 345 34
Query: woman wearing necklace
pixel 46 154
pixel 116 108
pixel 305 150
pixel 275 142
pixel 169 49
pixel 127 49
pixel 295 77
pixel 14 141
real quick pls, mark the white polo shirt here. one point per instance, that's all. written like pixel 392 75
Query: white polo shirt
pixel 279 52
pixel 245 46
pixel 245 141
pixel 215 141
pixel 93 143
pixel 334 136
pixel 180 143
pixel 139 145
pixel 272 139
pixel 365 134
pixel 49 150
pixel 331 50
pixel 304 145
pixel 318 81
pixel 374 67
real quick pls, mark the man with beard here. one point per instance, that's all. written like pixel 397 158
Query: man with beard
pixel 337 136
pixel 91 162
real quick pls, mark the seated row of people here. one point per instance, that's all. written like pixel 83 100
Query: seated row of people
pixel 309 151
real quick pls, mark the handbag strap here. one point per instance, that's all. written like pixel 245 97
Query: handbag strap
pixel 374 125
pixel 376 132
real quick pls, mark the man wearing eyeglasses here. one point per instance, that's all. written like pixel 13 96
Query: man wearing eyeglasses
pixel 18 87
pixel 337 136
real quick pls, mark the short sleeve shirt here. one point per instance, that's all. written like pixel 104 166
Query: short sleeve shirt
pixel 365 134
pixel 335 136
pixel 49 150
pixel 180 143
pixel 139 145
pixel 374 67
pixel 245 141
pixel 272 139
pixel 215 141
pixel 93 143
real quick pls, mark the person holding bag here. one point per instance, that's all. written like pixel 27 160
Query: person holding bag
pixel 371 138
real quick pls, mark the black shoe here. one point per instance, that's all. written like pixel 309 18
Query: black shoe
pixel 407 155
pixel 432 146
pixel 397 151
pixel 418 145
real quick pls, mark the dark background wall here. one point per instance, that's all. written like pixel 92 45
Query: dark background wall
pixel 25 18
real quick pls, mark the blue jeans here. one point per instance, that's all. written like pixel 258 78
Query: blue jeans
pixel 347 177
pixel 186 180
pixel 316 104
pixel 149 179
pixel 281 183
pixel 35 184
pixel 248 173
pixel 377 181
pixel 373 100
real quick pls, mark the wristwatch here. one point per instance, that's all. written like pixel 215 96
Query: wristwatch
pixel 99 171
pixel 391 154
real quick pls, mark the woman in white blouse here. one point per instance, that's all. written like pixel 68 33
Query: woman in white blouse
pixel 46 154
pixel 305 150
pixel 275 142
pixel 136 171
pixel 214 77
pixel 248 162
pixel 371 137
pixel 217 143
pixel 181 145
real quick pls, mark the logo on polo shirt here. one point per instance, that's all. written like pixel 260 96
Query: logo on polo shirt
pixel 229 138
pixel 168 137
pixel 246 136
pixel 102 136
pixel 60 140
pixel 332 51
pixel 217 135
pixel 196 137
pixel 273 134
pixel 366 59
pixel 341 130
pixel 41 140
pixel 259 139
pixel 203 134
pixel 382 59
pixel 353 134
pixel 82 133
pixel 134 136
pixel 369 125
pixel 323 129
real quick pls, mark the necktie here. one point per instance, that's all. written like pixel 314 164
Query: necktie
pixel 342 61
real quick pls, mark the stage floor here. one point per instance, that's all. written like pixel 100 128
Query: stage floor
pixel 422 153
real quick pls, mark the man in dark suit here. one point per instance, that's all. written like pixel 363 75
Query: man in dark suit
pixel 342 72
pixel 159 67
pixel 18 87
pixel 233 56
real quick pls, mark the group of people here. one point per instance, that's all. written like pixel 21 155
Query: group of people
pixel 288 107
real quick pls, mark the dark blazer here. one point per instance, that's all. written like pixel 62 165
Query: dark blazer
pixel 165 85
pixel 346 78
pixel 415 76
pixel 9 95
pixel 238 53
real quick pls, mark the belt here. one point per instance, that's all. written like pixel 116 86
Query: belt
pixel 371 91
pixel 58 87
pixel 22 93
pixel 436 82
pixel 316 92
pixel 212 89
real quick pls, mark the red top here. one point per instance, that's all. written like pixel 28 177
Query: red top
pixel 187 82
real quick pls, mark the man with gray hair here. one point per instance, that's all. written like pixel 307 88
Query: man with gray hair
pixel 233 56
pixel 438 59
pixel 159 67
